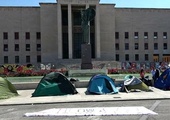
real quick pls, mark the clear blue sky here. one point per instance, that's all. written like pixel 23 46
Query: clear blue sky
pixel 119 3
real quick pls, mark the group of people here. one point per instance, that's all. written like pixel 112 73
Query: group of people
pixel 155 74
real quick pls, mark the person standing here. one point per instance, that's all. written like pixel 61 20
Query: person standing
pixel 157 73
pixel 153 73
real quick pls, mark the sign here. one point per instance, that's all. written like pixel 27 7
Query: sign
pixel 95 111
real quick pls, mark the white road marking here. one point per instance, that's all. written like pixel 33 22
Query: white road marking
pixel 145 117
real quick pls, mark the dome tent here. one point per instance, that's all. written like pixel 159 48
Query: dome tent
pixel 163 81
pixel 7 90
pixel 54 84
pixel 101 84
pixel 132 83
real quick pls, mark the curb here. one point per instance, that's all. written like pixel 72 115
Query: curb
pixel 83 101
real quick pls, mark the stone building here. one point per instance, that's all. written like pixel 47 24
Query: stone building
pixel 52 32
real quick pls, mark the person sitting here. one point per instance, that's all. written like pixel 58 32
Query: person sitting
pixel 142 74
pixel 145 79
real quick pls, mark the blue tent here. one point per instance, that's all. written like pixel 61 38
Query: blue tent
pixel 163 81
pixel 101 84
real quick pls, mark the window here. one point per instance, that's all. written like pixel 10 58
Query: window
pixel 155 36
pixel 16 59
pixel 165 46
pixel 27 47
pixel 126 35
pixel 16 47
pixel 145 35
pixel 77 18
pixel 38 47
pixel 64 17
pixel 136 46
pixel 146 57
pixel 76 46
pixel 38 58
pixel 155 57
pixel 5 59
pixel 5 47
pixel 126 46
pixel 136 36
pixel 146 46
pixel 38 35
pixel 117 57
pixel 127 57
pixel 155 46
pixel 27 59
pixel 116 35
pixel 5 35
pixel 166 58
pixel 164 35
pixel 27 35
pixel 16 35
pixel 117 46
pixel 136 57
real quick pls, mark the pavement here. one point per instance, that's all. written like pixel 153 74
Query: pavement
pixel 25 98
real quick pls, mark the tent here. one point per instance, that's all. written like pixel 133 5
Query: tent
pixel 54 84
pixel 7 89
pixel 163 81
pixel 133 83
pixel 101 84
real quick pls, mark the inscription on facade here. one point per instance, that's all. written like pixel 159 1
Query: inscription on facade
pixel 67 0
pixel 78 1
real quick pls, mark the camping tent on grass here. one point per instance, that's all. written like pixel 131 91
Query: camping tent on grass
pixel 101 84
pixel 54 84
pixel 7 89
pixel 163 81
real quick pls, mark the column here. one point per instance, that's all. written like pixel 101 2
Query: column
pixel 87 6
pixel 70 37
pixel 59 24
pixel 97 32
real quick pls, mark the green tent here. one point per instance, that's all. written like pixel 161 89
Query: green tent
pixel 7 89
pixel 54 84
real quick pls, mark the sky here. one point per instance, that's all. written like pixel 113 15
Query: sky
pixel 119 3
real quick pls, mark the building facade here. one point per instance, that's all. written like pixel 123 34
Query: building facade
pixel 52 32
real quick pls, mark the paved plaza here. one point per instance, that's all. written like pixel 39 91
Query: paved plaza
pixel 25 98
